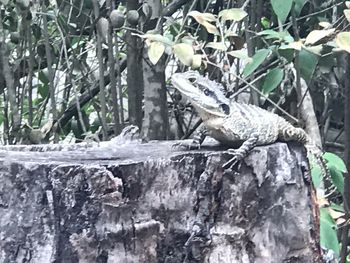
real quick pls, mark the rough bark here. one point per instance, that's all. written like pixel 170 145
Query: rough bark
pixel 141 203
pixel 155 121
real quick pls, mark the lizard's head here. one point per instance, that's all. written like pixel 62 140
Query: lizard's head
pixel 205 95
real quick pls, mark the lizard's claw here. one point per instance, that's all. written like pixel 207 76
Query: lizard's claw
pixel 230 163
pixel 237 156
pixel 186 146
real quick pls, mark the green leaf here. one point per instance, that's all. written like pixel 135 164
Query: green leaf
pixel 316 175
pixel 157 38
pixel 36 31
pixel 88 5
pixel 2 117
pixel 265 22
pixel 337 207
pixel 287 53
pixel 299 4
pixel 326 216
pixel 155 51
pixel 282 8
pixel 43 77
pixel 307 63
pixel 43 90
pixel 281 36
pixel 337 179
pixel 328 234
pixel 270 34
pixel 257 59
pixel 241 54
pixel 334 160
pixel 234 14
pixel 272 80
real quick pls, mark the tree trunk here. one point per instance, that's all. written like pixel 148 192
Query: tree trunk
pixel 155 121
pixel 134 67
pixel 136 202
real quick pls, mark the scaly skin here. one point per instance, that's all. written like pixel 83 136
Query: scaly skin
pixel 230 122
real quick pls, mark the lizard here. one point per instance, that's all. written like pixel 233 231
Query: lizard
pixel 234 123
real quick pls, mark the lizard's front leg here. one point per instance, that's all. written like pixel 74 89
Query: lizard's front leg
pixel 241 152
pixel 198 139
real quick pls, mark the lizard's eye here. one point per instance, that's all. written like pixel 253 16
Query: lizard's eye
pixel 206 92
pixel 192 79
pixel 225 108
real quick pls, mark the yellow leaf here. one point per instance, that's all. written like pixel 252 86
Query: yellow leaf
pixel 155 51
pixel 204 19
pixel 235 14
pixel 297 45
pixel 188 40
pixel 211 28
pixel 184 52
pixel 231 34
pixel 217 45
pixel 343 41
pixel 209 17
pixel 317 50
pixel 335 214
pixel 325 25
pixel 347 14
pixel 201 17
pixel 317 35
pixel 322 202
pixel 340 221
pixel 197 61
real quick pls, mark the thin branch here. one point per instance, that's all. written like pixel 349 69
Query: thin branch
pixel 296 59
pixel 261 94
pixel 113 84
pixel 101 73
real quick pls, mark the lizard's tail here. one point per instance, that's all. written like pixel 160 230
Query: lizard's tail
pixel 316 161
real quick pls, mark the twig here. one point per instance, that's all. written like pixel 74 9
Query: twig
pixel 101 73
pixel 50 70
pixel 296 59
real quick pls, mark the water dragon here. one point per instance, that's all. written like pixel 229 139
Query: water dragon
pixel 233 123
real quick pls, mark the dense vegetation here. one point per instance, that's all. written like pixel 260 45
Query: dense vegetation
pixel 74 70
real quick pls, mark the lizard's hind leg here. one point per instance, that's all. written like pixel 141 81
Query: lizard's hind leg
pixel 241 152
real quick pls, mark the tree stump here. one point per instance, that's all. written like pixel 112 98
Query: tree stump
pixel 149 202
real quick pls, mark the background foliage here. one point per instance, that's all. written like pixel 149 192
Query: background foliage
pixel 74 70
